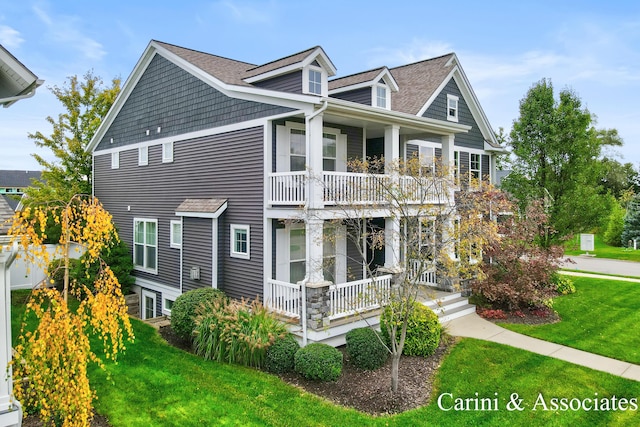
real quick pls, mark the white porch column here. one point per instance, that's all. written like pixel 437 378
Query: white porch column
pixel 10 410
pixel 314 162
pixel 315 254
pixel 447 153
pixel 391 146
pixel 392 242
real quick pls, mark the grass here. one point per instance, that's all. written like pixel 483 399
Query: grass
pixel 602 250
pixel 156 384
pixel 602 317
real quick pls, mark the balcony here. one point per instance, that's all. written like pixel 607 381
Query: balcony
pixel 346 188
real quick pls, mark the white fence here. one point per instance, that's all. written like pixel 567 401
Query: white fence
pixel 26 275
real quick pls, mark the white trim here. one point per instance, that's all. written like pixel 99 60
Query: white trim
pixel 385 74
pixel 172 233
pixel 166 311
pixel 317 55
pixel 198 134
pixel 232 240
pixel 214 251
pixel 374 96
pixel 324 85
pixel 167 152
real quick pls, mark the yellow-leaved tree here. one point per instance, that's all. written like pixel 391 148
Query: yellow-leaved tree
pixel 50 363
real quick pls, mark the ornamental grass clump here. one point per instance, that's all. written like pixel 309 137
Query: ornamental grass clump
pixel 236 332
pixel 319 361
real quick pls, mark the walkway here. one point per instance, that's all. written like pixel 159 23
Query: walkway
pixel 474 326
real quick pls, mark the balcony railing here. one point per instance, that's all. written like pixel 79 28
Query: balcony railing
pixel 290 188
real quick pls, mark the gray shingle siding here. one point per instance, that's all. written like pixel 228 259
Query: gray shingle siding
pixel 197 252
pixel 438 110
pixel 168 97
pixel 227 166
pixel 291 83
pixel 361 96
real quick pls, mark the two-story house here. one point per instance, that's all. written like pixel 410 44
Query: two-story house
pixel 225 174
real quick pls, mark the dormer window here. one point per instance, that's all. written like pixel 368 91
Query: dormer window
pixel 452 108
pixel 381 96
pixel 315 81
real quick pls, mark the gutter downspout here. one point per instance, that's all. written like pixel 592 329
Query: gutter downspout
pixel 303 283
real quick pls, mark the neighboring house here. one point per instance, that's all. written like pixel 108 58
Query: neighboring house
pixel 13 184
pixel 204 163
pixel 16 83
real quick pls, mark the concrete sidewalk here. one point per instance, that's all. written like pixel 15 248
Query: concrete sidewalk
pixel 473 326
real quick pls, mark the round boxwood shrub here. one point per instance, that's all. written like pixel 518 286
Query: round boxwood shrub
pixel 281 354
pixel 423 330
pixel 183 311
pixel 319 361
pixel 365 349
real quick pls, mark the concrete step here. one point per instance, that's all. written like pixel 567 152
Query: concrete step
pixel 450 306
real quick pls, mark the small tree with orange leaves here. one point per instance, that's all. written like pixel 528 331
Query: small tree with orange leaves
pixel 52 360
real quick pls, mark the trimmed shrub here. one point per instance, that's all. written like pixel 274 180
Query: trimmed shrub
pixel 281 355
pixel 365 349
pixel 183 311
pixel 236 332
pixel 423 330
pixel 319 361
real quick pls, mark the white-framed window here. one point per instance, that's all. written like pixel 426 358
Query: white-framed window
pixel 145 245
pixel 175 234
pixel 240 241
pixel 315 81
pixel 292 149
pixel 297 253
pixel 427 160
pixel 167 304
pixel 475 161
pixel 452 108
pixel 148 304
pixel 381 96
pixel 167 152
pixel 115 160
pixel 297 150
pixel 456 168
pixel 329 151
pixel 143 156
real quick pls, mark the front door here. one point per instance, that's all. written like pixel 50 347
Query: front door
pixel 148 305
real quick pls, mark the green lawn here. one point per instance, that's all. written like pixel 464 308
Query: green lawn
pixel 602 250
pixel 156 384
pixel 602 317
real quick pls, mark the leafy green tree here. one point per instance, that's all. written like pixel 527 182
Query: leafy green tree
pixel 86 102
pixel 614 226
pixel 631 228
pixel 555 159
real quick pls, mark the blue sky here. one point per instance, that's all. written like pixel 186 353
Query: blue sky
pixel 592 47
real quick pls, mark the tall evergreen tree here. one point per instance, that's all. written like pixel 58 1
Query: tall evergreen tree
pixel 631 228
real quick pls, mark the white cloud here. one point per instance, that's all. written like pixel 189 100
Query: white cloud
pixel 416 51
pixel 65 30
pixel 9 37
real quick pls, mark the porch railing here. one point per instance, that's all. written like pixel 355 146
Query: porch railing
pixel 284 298
pixel 425 271
pixel 346 299
pixel 290 188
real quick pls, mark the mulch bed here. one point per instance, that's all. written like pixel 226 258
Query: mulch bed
pixel 367 391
